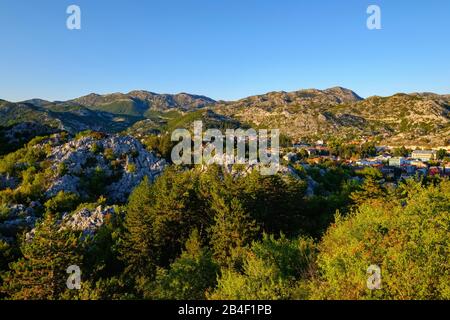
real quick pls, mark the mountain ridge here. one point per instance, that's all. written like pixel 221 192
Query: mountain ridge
pixel 335 112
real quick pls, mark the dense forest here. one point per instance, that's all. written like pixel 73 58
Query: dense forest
pixel 203 233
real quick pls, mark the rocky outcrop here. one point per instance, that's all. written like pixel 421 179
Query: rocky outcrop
pixel 85 220
pixel 311 186
pixel 66 183
pixel 115 164
pixel 122 160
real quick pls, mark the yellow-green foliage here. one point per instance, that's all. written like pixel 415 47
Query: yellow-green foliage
pixel 409 240
pixel 62 202
pixel 41 272
pixel 189 277
pixel 131 168
pixel 15 162
pixel 273 269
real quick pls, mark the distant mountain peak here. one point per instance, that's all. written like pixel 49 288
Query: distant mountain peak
pixel 345 93
pixel 331 96
pixel 141 102
pixel 36 102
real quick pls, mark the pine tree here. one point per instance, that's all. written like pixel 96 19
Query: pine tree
pixel 189 277
pixel 159 220
pixel 232 231
pixel 42 272
pixel 137 246
pixel 371 190
pixel 178 210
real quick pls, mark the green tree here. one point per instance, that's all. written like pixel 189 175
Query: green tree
pixel 370 190
pixel 368 150
pixel 136 246
pixel 96 182
pixel 441 154
pixel 41 273
pixel 275 202
pixel 408 240
pixel 161 145
pixel 273 269
pixel 189 277
pixel 178 209
pixel 401 152
pixel 159 219
pixel 232 231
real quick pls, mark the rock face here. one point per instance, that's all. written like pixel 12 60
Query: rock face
pixel 86 220
pixel 122 161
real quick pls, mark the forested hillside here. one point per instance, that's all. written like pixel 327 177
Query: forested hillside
pixel 196 233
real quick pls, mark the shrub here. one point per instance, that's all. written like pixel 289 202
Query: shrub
pixel 62 169
pixel 274 269
pixel 32 187
pixel 96 148
pixel 62 202
pixel 131 168
pixel 83 134
pixel 4 212
pixel 189 277
pixel 407 239
pixel 109 154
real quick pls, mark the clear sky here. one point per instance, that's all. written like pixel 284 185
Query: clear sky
pixel 225 49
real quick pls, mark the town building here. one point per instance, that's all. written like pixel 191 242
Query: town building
pixel 424 155
pixel 397 161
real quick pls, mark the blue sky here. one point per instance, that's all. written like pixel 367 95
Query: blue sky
pixel 225 49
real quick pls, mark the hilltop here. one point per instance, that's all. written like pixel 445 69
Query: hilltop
pixel 422 118
pixel 141 103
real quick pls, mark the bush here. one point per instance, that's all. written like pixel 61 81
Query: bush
pixel 189 277
pixel 89 133
pixel 131 168
pixel 62 202
pixel 274 269
pixel 7 196
pixel 96 148
pixel 9 163
pixel 161 145
pixel 4 212
pixel 62 169
pixel 109 154
pixel 32 187
pixel 441 154
pixel 408 239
